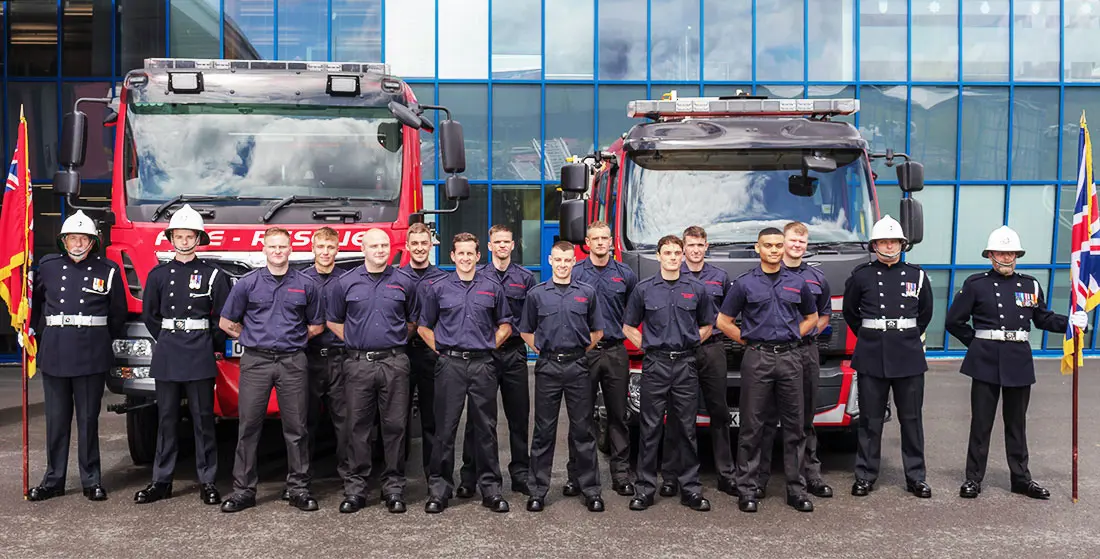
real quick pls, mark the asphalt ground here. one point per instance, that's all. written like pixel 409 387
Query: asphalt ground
pixel 889 523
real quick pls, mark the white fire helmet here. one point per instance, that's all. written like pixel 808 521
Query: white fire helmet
pixel 78 223
pixel 886 228
pixel 187 218
pixel 1003 239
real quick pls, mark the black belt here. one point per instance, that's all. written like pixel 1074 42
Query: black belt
pixel 467 354
pixel 604 344
pixel 270 352
pixel 673 355
pixel 772 347
pixel 375 355
pixel 562 356
pixel 325 351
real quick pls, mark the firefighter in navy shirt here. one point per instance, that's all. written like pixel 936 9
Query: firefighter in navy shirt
pixel 1002 304
pixel 677 314
pixel 273 311
pixel 181 302
pixel 888 305
pixel 78 306
pixel 372 308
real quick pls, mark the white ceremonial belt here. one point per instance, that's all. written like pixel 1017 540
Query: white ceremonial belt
pixel 889 323
pixel 185 324
pixel 1003 335
pixel 75 320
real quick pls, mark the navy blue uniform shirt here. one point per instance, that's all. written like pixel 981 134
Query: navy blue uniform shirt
pixel 375 309
pixel 770 311
pixel 561 318
pixel 275 313
pixel 516 281
pixel 463 316
pixel 715 279
pixel 613 283
pixel 194 289
pixel 420 278
pixel 819 287
pixel 326 338
pixel 672 312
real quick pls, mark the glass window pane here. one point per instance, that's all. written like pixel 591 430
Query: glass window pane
pixel 1058 301
pixel 727 55
pixel 834 92
pixel 250 29
pixel 974 224
pixel 552 199
pixel 517 39
pixel 780 91
pixel 622 36
pixel 712 90
pixel 516 133
pixel 889 201
pixel 1035 133
pixel 425 94
pixel 464 40
pixel 985 40
pixel 1037 33
pixel 656 90
pixel 1031 214
pixel 470 105
pixel 832 56
pixel 883 36
pixel 474 218
pixel 1065 220
pixel 569 117
pixel 1082 20
pixel 357 30
pixel 410 38
pixel 935 41
pixel 1079 99
pixel 935 122
pixel 519 208
pixel 141 33
pixel 86 42
pixel 939 211
pixel 303 31
pixel 196 29
pixel 100 147
pixel 39 102
pixel 882 122
pixel 32 39
pixel 933 336
pixel 984 144
pixel 779 28
pixel 612 119
pixel 570 36
pixel 674 38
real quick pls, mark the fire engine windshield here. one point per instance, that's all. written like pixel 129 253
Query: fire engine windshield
pixel 256 150
pixel 734 194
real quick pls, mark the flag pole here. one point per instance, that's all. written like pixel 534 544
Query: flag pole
pixel 1076 349
pixel 26 435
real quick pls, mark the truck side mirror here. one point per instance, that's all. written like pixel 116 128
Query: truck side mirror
pixel 573 221
pixel 66 182
pixel 574 178
pixel 74 139
pixel 911 176
pixel 452 146
pixel 456 188
pixel 912 221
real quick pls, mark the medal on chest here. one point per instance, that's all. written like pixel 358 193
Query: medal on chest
pixel 1025 299
pixel 909 289
pixel 196 281
pixel 98 284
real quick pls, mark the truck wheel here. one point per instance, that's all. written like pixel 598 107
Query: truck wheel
pixel 141 434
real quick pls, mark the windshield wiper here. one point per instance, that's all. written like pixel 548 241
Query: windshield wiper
pixel 185 198
pixel 833 246
pixel 295 199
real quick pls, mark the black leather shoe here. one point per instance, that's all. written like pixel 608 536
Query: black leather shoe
pixel 464 492
pixel 352 504
pixel 237 503
pixel 970 489
pixel 728 487
pixel 919 489
pixel 594 504
pixel 435 506
pixel 209 494
pixel 572 489
pixel 695 501
pixel 669 489
pixel 1031 489
pixel 95 493
pixel 304 502
pixel 534 504
pixel 395 503
pixel 286 495
pixel 800 504
pixel 41 493
pixel 639 503
pixel 625 488
pixel 819 489
pixel 748 505
pixel 153 493
pixel 862 487
pixel 495 504
pixel 759 493
pixel 520 486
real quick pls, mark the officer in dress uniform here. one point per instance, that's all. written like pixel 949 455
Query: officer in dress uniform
pixel 78 305
pixel 561 321
pixel 608 362
pixel 1002 305
pixel 511 365
pixel 888 305
pixel 418 244
pixel 796 236
pixel 274 311
pixel 372 309
pixel 677 314
pixel 465 317
pixel 777 309
pixel 182 298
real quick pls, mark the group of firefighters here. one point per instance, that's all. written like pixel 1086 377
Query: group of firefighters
pixel 358 345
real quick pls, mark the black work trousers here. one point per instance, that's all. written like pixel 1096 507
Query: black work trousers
pixel 376 390
pixel 672 385
pixel 609 371
pixel 554 379
pixel 811 464
pixel 63 395
pixel 909 400
pixel 983 410
pixel 710 362
pixel 422 378
pixel 771 383
pixel 327 395
pixel 510 364
pixel 200 402
pixel 458 381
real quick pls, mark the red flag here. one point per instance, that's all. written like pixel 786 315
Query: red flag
pixel 17 245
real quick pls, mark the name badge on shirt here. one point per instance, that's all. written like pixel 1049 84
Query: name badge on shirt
pixel 196 281
pixel 909 289
pixel 1024 299
pixel 98 285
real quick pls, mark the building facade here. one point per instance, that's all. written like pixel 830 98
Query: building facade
pixel 986 93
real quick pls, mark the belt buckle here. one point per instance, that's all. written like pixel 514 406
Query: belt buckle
pixel 891 324
pixel 466 355
pixel 68 320
pixel 1010 336
pixel 179 324
pixel 674 355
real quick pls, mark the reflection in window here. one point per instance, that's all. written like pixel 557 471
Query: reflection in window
pixel 727 56
pixel 86 48
pixel 410 38
pixel 674 38
pixel 516 133
pixel 1031 214
pixel 464 40
pixel 622 36
pixel 779 28
pixel 141 33
pixel 569 39
pixel 882 122
pixel 357 30
pixel 935 122
pixel 1035 134
pixel 973 227
pixel 39 103
pixel 470 105
pixel 250 29
pixel 303 31
pixel 984 141
pixel 1082 19
pixel 935 41
pixel 569 117
pixel 985 40
pixel 98 159
pixel 517 39
pixel 1078 99
pixel 32 43
pixel 832 54
pixel 934 335
pixel 196 29
pixel 1036 39
pixel 884 31
pixel 780 91
pixel 939 213
pixel 612 120
pixel 518 208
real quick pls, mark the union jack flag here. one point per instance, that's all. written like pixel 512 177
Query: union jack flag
pixel 1084 267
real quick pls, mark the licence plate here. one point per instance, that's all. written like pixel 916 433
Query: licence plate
pixel 233 348
pixel 735 418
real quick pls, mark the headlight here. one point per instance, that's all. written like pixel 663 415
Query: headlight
pixel 634 392
pixel 130 372
pixel 133 347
